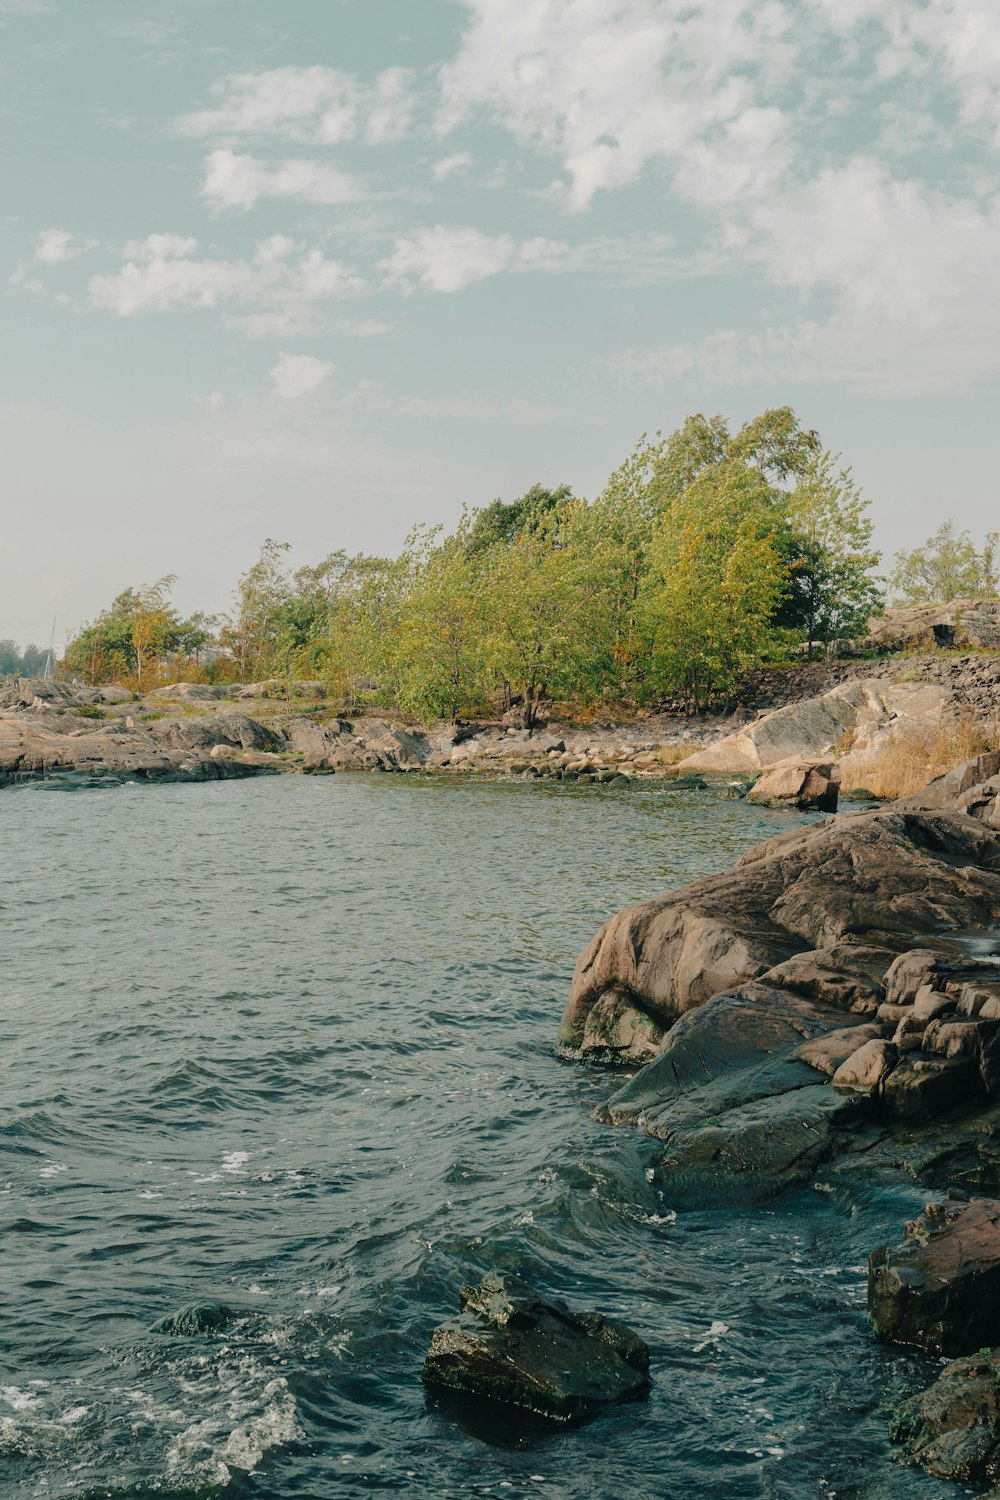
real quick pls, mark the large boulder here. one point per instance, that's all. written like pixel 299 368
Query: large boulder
pixel 813 727
pixel 46 694
pixel 233 729
pixel 193 692
pixel 940 1288
pixel 875 880
pixel 511 1347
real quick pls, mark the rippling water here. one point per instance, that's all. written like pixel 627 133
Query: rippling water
pixel 287 1044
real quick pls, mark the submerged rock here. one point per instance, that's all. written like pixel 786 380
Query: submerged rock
pixel 940 1289
pixel 197 1317
pixel 511 1347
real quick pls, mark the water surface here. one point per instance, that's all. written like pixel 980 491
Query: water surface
pixel 287 1044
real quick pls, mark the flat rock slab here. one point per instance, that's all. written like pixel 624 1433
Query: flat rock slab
pixel 510 1347
pixel 940 1289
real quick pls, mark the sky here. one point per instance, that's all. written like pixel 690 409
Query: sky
pixel 325 269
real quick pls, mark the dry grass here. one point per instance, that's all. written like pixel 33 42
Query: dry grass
pixel 671 755
pixel 915 755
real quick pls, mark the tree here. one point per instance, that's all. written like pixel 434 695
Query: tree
pixel 499 522
pixel 153 624
pixel 829 590
pixel 543 606
pixel 718 579
pixel 948 566
pixel 140 634
pixel 253 632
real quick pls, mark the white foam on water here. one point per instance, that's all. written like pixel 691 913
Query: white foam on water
pixel 18 1399
pixel 55 1169
pixel 235 1161
pixel 246 1413
pixel 717 1331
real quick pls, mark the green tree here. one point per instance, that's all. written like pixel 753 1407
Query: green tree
pixel 543 604
pixel 500 522
pixel 948 566
pixel 718 577
pixel 255 631
pixel 829 589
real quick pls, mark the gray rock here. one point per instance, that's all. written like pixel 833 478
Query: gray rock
pixel 952 1429
pixel 940 1289
pixel 512 1348
pixel 197 1317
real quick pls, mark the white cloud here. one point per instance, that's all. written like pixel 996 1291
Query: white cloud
pixel 54 247
pixel 211 400
pixel 447 165
pixel 447 259
pixel 611 87
pixel 314 105
pixel 159 247
pixel 297 375
pixel 390 107
pixel 238 181
pixel 282 290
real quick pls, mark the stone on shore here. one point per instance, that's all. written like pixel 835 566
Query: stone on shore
pixel 877 880
pixel 812 785
pixel 511 1347
pixel 812 727
pixel 940 1289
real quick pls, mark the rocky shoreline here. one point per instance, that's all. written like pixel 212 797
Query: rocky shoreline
pixel 825 723
pixel 829 1011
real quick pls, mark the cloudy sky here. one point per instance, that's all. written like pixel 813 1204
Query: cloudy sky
pixel 320 270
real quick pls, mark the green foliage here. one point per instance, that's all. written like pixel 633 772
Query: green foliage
pixel 499 523
pixel 704 552
pixel 716 564
pixel 948 566
pixel 829 588
pixel 138 637
pixel 28 663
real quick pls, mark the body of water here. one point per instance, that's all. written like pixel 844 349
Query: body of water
pixel 287 1044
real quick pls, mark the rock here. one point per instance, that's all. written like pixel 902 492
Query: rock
pixel 878 878
pixel 776 1140
pixel 113 694
pixel 960 622
pixel 811 785
pixel 865 1070
pixel 511 1347
pixel 618 1030
pixel 39 746
pixel 812 727
pixel 44 693
pixel 908 974
pixel 952 1429
pixel 923 1088
pixel 188 692
pixel 940 1289
pixel 197 1317
pixel 828 1053
pixel 232 729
